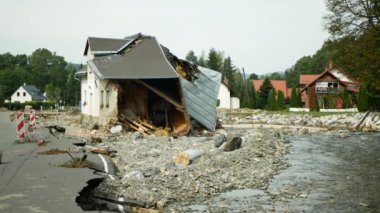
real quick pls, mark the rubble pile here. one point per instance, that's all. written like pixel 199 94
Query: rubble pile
pixel 331 121
pixel 149 173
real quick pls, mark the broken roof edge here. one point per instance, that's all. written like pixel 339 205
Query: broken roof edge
pixel 128 41
pixel 163 54
pixel 193 92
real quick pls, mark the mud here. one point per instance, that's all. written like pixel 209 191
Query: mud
pixel 327 174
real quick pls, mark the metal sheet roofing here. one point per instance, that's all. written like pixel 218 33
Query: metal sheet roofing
pixel 145 60
pixel 201 96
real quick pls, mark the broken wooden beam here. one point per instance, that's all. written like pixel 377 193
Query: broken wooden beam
pixel 162 95
pixel 186 157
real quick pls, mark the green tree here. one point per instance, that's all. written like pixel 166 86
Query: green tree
pixel 280 101
pixel 191 57
pixel 214 60
pixel 248 97
pixel 352 17
pixel 46 67
pixel 294 100
pixel 253 76
pixel 363 100
pixel 202 60
pixel 228 70
pixel 49 90
pixel 271 100
pixel 347 103
pixel 264 93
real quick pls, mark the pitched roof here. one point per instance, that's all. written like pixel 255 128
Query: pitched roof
pixel 34 92
pixel 105 45
pixel 145 60
pixel 278 85
pixel 328 72
pixel 307 79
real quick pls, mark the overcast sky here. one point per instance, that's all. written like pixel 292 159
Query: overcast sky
pixel 260 35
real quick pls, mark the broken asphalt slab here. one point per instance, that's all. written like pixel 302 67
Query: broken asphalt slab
pixel 30 181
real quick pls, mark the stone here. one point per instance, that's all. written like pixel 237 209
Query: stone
pixel 116 129
pixel 136 136
pixel 304 131
pixel 303 195
pixel 233 144
pixel 150 171
pixel 219 139
pixel 134 175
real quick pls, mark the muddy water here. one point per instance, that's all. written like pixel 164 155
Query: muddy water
pixel 326 174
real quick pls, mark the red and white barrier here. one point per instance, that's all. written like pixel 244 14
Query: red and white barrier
pixel 20 126
pixel 32 121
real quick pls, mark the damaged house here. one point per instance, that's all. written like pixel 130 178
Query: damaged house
pixel 138 82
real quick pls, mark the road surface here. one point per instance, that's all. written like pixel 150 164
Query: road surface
pixel 30 182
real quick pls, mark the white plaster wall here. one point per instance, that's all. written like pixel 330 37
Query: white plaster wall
pixel 21 98
pixel 92 94
pixel 224 97
pixel 235 103
pixel 83 96
pixel 111 111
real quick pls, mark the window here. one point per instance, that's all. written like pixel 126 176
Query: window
pixel 24 94
pixel 101 98
pixel 108 98
pixel 18 94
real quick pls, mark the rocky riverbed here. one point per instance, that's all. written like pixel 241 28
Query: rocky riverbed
pixel 329 121
pixel 148 174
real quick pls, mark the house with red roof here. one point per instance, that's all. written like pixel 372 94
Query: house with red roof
pixel 278 85
pixel 327 88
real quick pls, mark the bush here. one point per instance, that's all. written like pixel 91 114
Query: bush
pixel 280 102
pixel 363 100
pixel 347 102
pixel 272 100
pixel 35 105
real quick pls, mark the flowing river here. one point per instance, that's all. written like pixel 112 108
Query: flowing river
pixel 327 173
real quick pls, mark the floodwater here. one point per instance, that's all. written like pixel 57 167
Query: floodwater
pixel 327 173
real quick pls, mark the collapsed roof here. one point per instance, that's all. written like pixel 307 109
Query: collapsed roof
pixel 142 57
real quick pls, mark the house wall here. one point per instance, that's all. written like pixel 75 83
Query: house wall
pixel 224 97
pixel 235 103
pixel 94 92
pixel 21 98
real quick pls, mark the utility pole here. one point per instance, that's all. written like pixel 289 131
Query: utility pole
pixel 245 86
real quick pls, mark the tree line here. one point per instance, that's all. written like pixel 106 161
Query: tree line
pixel 354 45
pixel 44 69
pixel 237 80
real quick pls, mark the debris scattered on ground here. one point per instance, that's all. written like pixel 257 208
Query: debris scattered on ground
pixel 99 150
pixel 53 152
pixel 77 163
pixel 42 142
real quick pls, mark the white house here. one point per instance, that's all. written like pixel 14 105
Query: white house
pixel 27 93
pixel 137 78
pixel 225 100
